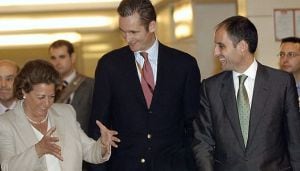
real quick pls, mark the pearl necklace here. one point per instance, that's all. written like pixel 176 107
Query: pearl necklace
pixel 32 121
pixel 35 122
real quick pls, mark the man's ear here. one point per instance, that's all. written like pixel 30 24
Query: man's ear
pixel 73 57
pixel 243 46
pixel 152 26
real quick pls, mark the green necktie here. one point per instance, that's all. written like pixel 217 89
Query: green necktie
pixel 243 107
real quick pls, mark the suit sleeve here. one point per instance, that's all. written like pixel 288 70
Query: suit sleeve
pixel 191 98
pixel 100 105
pixel 92 150
pixel 292 123
pixel 101 99
pixel 204 143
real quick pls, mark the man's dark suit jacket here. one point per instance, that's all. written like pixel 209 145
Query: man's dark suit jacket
pixel 274 137
pixel 82 102
pixel 155 139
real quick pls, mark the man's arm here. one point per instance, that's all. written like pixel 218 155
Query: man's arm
pixel 101 99
pixel 204 143
pixel 191 98
pixel 100 105
pixel 293 123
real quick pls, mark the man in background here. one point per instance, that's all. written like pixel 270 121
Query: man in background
pixel 149 93
pixel 8 71
pixel 77 89
pixel 290 58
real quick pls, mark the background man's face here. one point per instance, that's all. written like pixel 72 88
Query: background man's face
pixel 62 60
pixel 289 62
pixel 8 73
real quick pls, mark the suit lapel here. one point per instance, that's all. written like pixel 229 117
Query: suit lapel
pixel 24 127
pixel 161 71
pixel 131 73
pixel 259 99
pixel 229 102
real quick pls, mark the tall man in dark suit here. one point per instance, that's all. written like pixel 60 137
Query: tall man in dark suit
pixel 249 119
pixel 155 131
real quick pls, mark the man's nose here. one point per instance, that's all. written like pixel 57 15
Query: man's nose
pixel 216 51
pixel 127 37
pixel 3 83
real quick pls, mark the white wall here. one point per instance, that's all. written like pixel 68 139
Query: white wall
pixel 207 16
pixel 200 45
pixel 260 12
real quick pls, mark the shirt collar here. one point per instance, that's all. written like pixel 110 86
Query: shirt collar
pixel 12 106
pixel 71 77
pixel 250 72
pixel 152 51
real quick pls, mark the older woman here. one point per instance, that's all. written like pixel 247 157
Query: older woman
pixel 39 135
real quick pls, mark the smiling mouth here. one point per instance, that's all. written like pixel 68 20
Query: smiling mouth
pixel 4 91
pixel 131 44
pixel 222 60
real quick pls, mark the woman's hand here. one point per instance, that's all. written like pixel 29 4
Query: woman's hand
pixel 47 145
pixel 108 137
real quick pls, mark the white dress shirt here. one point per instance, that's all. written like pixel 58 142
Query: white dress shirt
pixel 51 161
pixel 152 56
pixel 249 83
pixel 4 108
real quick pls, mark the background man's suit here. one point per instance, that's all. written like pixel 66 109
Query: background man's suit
pixel 82 102
pixel 274 138
pixel 158 138
pixel 82 87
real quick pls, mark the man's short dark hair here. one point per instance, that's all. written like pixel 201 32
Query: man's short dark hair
pixel 144 8
pixel 240 28
pixel 290 40
pixel 60 43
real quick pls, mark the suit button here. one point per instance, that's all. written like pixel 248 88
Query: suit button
pixel 150 111
pixel 149 136
pixel 143 160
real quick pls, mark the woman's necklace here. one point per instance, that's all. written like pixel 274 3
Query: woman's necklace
pixel 32 121
pixel 35 122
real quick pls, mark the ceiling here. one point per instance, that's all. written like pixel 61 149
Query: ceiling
pixel 22 17
pixel 19 16
pixel 17 6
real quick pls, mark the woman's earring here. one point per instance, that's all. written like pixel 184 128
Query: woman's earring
pixel 24 97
